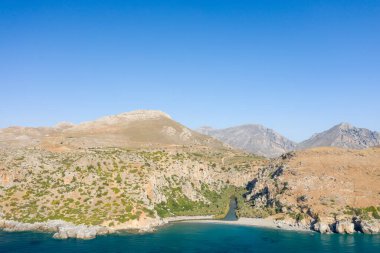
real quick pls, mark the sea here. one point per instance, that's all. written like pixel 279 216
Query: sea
pixel 194 237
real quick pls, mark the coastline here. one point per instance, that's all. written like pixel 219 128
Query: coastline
pixel 65 230
pixel 256 222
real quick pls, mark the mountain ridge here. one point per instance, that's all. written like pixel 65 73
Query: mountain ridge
pixel 133 128
pixel 130 129
pixel 265 141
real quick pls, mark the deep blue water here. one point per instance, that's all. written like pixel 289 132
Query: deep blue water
pixel 189 237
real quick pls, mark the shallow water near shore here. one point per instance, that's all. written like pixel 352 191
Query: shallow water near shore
pixel 191 237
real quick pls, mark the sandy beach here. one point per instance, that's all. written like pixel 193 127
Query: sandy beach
pixel 188 218
pixel 255 222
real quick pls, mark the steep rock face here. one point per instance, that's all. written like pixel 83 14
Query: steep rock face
pixel 80 232
pixel 63 230
pixel 329 188
pixel 369 226
pixel 345 227
pixel 255 139
pixel 345 136
pixel 322 228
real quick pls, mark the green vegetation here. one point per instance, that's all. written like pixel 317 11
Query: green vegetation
pixel 365 213
pixel 216 202
pixel 248 211
pixel 111 185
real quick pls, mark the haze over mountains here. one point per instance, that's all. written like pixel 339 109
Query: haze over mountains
pixel 266 142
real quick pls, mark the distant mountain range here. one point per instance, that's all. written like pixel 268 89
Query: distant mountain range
pixel 264 141
pixel 155 128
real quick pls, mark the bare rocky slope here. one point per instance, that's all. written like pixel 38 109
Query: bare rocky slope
pixel 127 171
pixel 255 139
pixel 137 129
pixel 326 189
pixel 343 135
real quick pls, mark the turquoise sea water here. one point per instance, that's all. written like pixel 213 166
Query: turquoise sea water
pixel 192 237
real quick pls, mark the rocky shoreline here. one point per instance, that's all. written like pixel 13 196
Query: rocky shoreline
pixel 61 229
pixel 324 227
pixel 66 230
pixel 347 226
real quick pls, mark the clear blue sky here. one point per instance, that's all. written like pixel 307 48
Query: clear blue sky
pixel 298 66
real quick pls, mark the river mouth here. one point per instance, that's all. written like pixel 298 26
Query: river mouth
pixel 231 215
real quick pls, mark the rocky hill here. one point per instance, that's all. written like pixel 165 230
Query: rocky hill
pixel 128 171
pixel 255 139
pixel 343 135
pixel 328 189
pixel 142 128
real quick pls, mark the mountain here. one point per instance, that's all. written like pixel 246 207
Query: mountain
pixel 255 139
pixel 263 141
pixel 134 170
pixel 132 129
pixel 343 135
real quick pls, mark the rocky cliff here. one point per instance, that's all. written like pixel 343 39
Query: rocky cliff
pixel 327 189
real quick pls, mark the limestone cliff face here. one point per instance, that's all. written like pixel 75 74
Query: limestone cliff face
pixel 255 139
pixel 330 189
